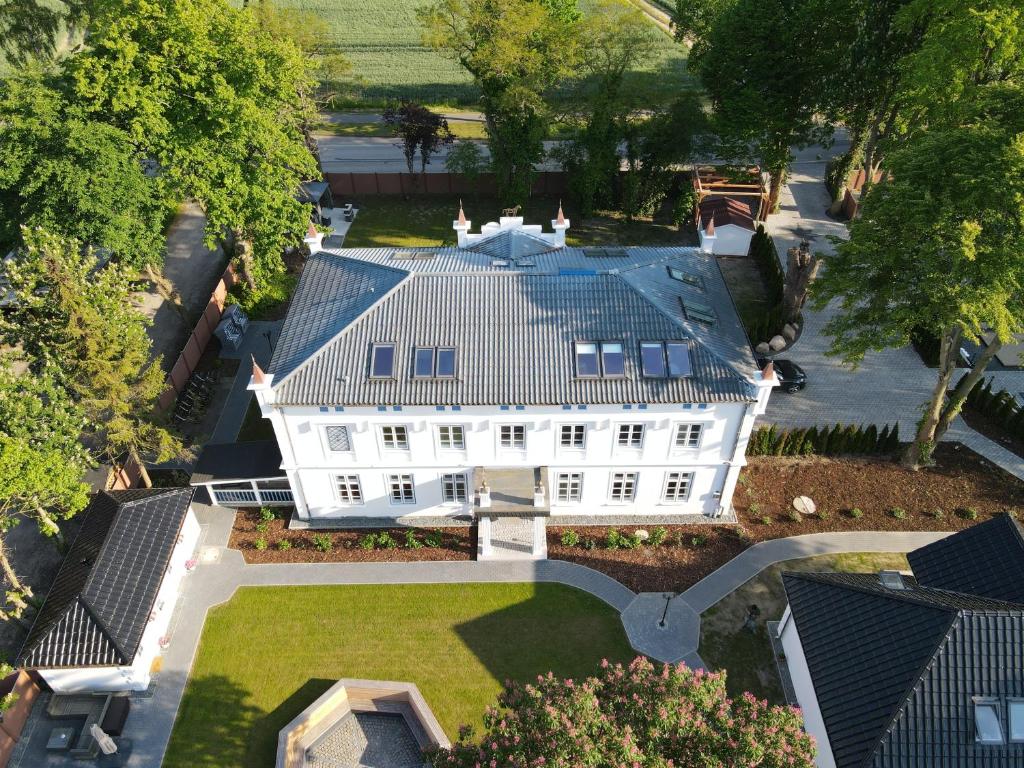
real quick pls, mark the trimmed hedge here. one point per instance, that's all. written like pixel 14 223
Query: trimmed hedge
pixel 999 406
pixel 839 440
pixel 764 325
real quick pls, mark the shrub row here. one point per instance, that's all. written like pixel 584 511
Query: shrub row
pixel 999 406
pixel 835 441
pixel 616 539
pixel 764 325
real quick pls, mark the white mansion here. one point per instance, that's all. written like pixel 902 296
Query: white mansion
pixel 511 375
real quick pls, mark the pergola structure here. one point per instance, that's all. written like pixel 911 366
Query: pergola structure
pixel 709 181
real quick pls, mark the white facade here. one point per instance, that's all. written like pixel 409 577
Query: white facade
pixel 726 240
pixel 600 460
pixel 814 723
pixel 137 676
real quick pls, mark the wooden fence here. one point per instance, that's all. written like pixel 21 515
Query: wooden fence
pixel 14 719
pixel 350 184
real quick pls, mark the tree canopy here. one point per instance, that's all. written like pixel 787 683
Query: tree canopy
pixel 633 716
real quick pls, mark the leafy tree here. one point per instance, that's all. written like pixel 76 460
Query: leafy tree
pixel 466 159
pixel 693 22
pixel 75 321
pixel 72 175
pixel 516 50
pixel 760 69
pixel 420 130
pixel 42 463
pixel 615 39
pixel 218 103
pixel 940 247
pixel 636 716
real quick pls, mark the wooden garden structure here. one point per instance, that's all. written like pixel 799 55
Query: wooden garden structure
pixel 709 181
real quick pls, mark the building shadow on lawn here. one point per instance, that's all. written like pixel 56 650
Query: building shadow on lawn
pixel 263 739
pixel 559 629
pixel 215 720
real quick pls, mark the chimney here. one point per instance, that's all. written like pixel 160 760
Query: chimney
pixel 461 226
pixel 259 379
pixel 314 239
pixel 560 224
pixel 708 237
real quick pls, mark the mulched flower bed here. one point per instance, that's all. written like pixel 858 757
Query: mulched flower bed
pixel 962 489
pixel 993 430
pixel 456 543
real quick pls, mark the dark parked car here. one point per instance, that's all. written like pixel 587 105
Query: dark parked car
pixel 791 376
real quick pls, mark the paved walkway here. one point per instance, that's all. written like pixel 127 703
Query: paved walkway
pixel 661 625
pixel 255 342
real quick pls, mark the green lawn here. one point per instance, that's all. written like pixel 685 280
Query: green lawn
pixel 269 652
pixel 385 221
pixel 747 657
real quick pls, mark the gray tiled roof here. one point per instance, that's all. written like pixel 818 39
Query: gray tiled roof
pixel 99 604
pixel 513 328
pixel 986 559
pixel 894 671
pixel 249 460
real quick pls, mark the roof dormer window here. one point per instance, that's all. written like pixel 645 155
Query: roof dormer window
pixel 382 361
pixel 988 727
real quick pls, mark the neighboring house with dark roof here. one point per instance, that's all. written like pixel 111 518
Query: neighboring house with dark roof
pixel 725 226
pixel 511 374
pixel 102 624
pixel 893 673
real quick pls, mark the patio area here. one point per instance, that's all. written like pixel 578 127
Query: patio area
pixel 57 732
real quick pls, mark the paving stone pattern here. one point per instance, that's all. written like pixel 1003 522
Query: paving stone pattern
pixel 367 740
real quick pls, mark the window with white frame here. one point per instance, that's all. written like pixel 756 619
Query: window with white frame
pixel 348 489
pixel 572 436
pixel 569 486
pixel 1016 717
pixel 512 436
pixel 631 436
pixel 453 487
pixel 988 726
pixel 623 487
pixel 401 489
pixel 688 435
pixel 677 487
pixel 451 437
pixel 337 439
pixel 395 438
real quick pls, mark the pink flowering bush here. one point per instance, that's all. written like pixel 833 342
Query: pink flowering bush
pixel 633 717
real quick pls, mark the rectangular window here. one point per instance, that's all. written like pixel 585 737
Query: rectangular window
pixel 699 313
pixel 423 362
pixel 688 435
pixel 512 436
pixel 586 359
pixel 573 436
pixel 451 437
pixel 1016 707
pixel 623 488
pixel 612 359
pixel 348 488
pixel 445 363
pixel 569 486
pixel 337 439
pixel 453 488
pixel 652 359
pixel 987 726
pixel 678 354
pixel 382 361
pixel 631 436
pixel 395 438
pixel 401 489
pixel 677 487
pixel 686 277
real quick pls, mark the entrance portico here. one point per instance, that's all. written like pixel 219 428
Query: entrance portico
pixel 512 508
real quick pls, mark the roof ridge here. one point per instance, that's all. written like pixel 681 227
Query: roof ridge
pixel 905 699
pixel 80 599
pixel 310 358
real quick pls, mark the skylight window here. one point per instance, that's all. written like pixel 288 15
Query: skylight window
pixel 987 726
pixel 612 359
pixel 652 359
pixel 410 255
pixel 699 313
pixel 587 364
pixel 433 363
pixel 1016 707
pixel 382 361
pixel 601 251
pixel 499 262
pixel 686 277
pixel 665 358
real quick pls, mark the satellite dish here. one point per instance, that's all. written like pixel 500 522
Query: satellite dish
pixel 804 505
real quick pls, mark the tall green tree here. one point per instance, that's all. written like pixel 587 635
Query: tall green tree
pixel 72 175
pixel 218 103
pixel 75 321
pixel 615 38
pixel 516 50
pixel 761 71
pixel 940 246
pixel 42 462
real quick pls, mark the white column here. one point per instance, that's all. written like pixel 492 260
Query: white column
pixel 484 534
pixel 539 531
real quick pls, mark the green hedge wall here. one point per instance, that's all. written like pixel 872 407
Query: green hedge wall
pixel 762 326
pixel 999 406
pixel 838 440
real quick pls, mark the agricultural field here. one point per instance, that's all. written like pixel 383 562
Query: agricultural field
pixel 382 39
